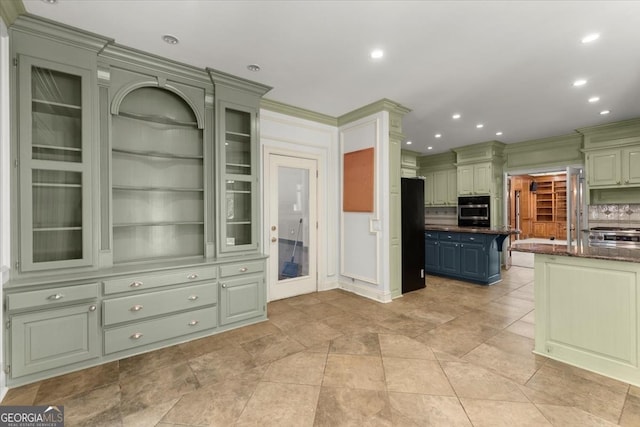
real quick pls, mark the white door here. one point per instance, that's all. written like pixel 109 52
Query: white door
pixel 291 195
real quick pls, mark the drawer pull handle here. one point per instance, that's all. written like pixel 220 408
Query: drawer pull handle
pixel 472 238
pixel 92 308
pixel 136 307
pixel 192 276
pixel 193 323
pixel 55 297
pixel 243 269
pixel 448 237
pixel 136 336
pixel 193 297
pixel 136 284
pixel 224 286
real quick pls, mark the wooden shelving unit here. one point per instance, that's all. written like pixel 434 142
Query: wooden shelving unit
pixel 550 206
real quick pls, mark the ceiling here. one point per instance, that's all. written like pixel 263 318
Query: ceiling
pixel 509 65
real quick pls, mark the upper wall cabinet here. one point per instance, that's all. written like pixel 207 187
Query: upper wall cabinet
pixel 237 105
pixel 614 168
pixel 56 104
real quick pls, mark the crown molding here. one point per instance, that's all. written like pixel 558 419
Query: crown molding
pixel 10 10
pixel 301 113
pixel 373 108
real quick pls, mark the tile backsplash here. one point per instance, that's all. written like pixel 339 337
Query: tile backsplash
pixel 614 215
pixel 441 215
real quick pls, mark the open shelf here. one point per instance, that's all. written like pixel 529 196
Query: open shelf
pixel 157 119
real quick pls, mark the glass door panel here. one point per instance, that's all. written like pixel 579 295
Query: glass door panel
pixel 238 212
pixel 237 142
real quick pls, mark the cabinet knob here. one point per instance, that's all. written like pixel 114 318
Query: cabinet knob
pixel 224 286
pixel 136 336
pixel 243 269
pixel 135 284
pixel 626 181
pixel 136 307
pixel 192 276
pixel 193 297
pixel 92 308
pixel 55 297
pixel 193 323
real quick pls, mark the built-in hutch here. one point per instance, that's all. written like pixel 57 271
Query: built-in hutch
pixel 135 215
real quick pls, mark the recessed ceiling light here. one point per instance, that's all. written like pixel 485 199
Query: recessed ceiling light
pixel 409 142
pixel 456 116
pixel 438 135
pixel 377 53
pixel 580 82
pixel 604 112
pixel 594 99
pixel 429 148
pixel 479 125
pixel 253 67
pixel 168 38
pixel 590 38
pixel 498 133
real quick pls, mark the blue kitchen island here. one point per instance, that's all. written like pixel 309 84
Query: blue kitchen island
pixel 465 253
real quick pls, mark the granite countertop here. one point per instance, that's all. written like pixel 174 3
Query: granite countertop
pixel 612 254
pixel 505 231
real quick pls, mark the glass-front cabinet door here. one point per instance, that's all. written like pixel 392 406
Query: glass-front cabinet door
pixel 55 114
pixel 238 229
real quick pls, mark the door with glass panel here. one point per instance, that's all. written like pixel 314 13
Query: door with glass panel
pixel 55 116
pixel 292 222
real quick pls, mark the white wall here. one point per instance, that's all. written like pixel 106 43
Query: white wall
pixel 364 261
pixel 5 167
pixel 280 133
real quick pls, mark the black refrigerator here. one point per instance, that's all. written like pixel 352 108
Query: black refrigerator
pixel 412 234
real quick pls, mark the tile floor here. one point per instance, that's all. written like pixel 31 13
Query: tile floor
pixel 453 354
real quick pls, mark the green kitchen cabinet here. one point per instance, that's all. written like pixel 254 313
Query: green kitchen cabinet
pixel 475 179
pixel 429 189
pixel 242 292
pixel 452 188
pixel 237 105
pixel 618 167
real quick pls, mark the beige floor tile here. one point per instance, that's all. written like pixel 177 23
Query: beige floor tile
pixel 271 348
pixel 352 407
pixel 353 371
pixel 363 344
pixel 457 337
pixel 304 300
pixel 151 361
pixel 221 364
pixel 281 405
pixel 491 320
pixel 312 334
pixel 522 328
pixel 416 376
pixel 204 345
pixel 590 392
pixel 491 413
pixel 393 345
pixel 516 367
pixel 23 395
pixel 57 389
pixel 631 410
pixel 216 404
pixel 405 325
pixel 474 382
pixel 149 417
pixel 252 332
pixel 290 320
pixel 322 311
pixel 329 295
pixel 97 407
pixel 153 388
pixel 432 316
pixel 424 411
pixel 562 416
pixel 300 368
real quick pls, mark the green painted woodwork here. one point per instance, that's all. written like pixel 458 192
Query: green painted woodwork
pixel 465 256
pixel 476 179
pixel 376 107
pixel 614 167
pixel 300 113
pixel 148 332
pixel 141 306
pixel 157 279
pixel 10 10
pixel 545 153
pixel 53 338
pixel 429 188
pixel 52 297
pixel 587 314
pixel 241 298
pixel 441 184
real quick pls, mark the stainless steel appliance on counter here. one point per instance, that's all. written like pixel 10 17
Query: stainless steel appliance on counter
pixel 474 211
pixel 615 237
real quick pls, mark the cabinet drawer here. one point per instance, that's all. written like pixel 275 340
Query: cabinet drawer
pixel 150 281
pixel 143 333
pixel 51 297
pixel 451 237
pixel 473 238
pixel 141 306
pixel 241 268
